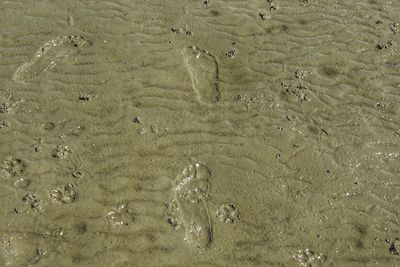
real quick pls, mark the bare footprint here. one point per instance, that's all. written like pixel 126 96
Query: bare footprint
pixel 190 196
pixel 49 55
pixel 203 70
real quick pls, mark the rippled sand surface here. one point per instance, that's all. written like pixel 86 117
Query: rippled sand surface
pixel 199 133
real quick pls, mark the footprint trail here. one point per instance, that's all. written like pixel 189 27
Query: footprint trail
pixel 203 70
pixel 49 55
pixel 190 198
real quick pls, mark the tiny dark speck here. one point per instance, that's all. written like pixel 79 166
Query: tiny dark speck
pixel 137 120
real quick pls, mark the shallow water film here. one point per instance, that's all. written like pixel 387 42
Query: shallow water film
pixel 199 133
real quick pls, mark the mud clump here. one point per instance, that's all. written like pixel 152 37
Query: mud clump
pixel 32 201
pixel 309 258
pixel 120 216
pixel 227 213
pixel 5 107
pixel 395 247
pixel 61 152
pixel 65 195
pixel 231 53
pixel 271 5
pixel 206 3
pixel 12 167
pixel 4 124
pixel 382 46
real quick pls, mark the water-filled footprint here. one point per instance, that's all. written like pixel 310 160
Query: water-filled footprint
pixel 190 196
pixel 49 55
pixel 203 70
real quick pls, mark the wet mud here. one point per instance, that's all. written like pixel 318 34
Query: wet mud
pixel 199 133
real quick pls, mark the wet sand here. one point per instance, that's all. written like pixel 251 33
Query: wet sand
pixel 199 133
